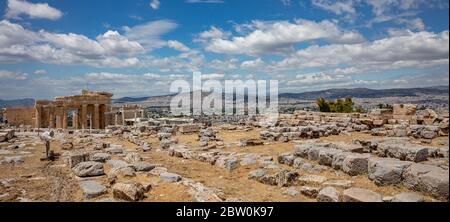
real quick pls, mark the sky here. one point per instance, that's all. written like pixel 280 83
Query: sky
pixel 137 48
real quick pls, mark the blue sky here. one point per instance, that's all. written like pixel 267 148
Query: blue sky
pixel 137 48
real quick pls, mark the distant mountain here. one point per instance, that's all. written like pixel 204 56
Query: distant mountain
pixel 366 93
pixel 16 103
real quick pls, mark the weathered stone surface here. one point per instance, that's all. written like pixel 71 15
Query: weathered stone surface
pixel 311 179
pixel 257 174
pixel 229 163
pixel 360 195
pixel 100 157
pixel 313 153
pixel 116 163
pixel 133 157
pixel 286 158
pixel 426 178
pixel 326 156
pixel 355 164
pixel 301 150
pixel 408 152
pixel 291 192
pixel 114 150
pixel 170 177
pixel 92 189
pixel 344 184
pixel 386 171
pixel 338 160
pixel 328 194
pixel 407 197
pixel 298 162
pixel 125 171
pixel 158 170
pixel 129 191
pixel 310 192
pixel 87 169
pixel 77 157
pixel 143 166
pixel 286 178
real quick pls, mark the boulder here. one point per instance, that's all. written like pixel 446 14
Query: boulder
pixel 310 192
pixel 361 195
pixel 129 191
pixel 355 164
pixel 407 197
pixel 326 156
pixel 229 163
pixel 92 189
pixel 116 163
pixel 328 194
pixel 133 157
pixel 429 179
pixel 386 171
pixel 170 177
pixel 143 166
pixel 286 158
pixel 88 169
pixel 312 179
pixel 100 157
pixel 77 157
pixel 343 184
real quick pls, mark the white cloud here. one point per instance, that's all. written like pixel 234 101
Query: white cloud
pixel 149 34
pixel 213 76
pixel 155 4
pixel 337 7
pixel 40 72
pixel 253 64
pixel 5 74
pixel 16 8
pixel 280 36
pixel 415 49
pixel 177 46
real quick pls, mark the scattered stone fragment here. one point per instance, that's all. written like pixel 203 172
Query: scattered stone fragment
pixel 408 197
pixel 328 194
pixel 310 192
pixel 88 169
pixel 170 177
pixel 92 189
pixel 360 195
pixel 129 191
pixel 344 184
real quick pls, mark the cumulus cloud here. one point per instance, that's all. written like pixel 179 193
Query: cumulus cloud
pixel 415 49
pixel 149 34
pixel 17 8
pixel 279 37
pixel 336 7
pixel 6 74
pixel 110 49
pixel 177 46
pixel 155 4
pixel 40 72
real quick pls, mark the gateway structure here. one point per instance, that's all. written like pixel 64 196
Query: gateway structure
pixel 85 111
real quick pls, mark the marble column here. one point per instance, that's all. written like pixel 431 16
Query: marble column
pixel 51 121
pixel 115 120
pixel 38 117
pixel 96 116
pixel 83 116
pixel 64 117
pixel 75 120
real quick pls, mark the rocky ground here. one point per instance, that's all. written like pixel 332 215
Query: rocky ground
pixel 220 164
